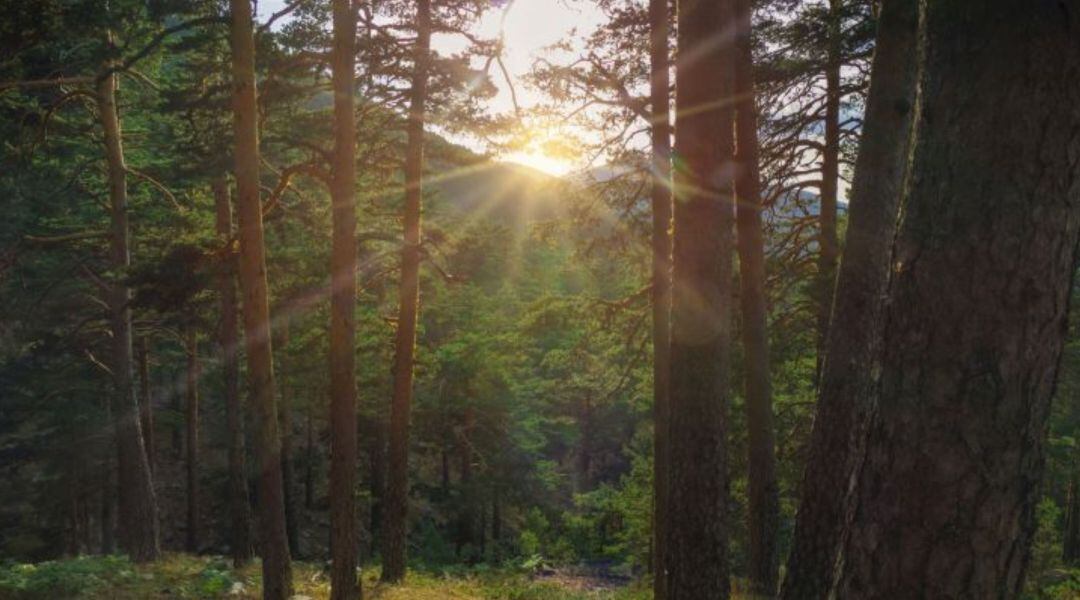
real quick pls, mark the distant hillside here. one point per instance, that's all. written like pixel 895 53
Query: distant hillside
pixel 502 192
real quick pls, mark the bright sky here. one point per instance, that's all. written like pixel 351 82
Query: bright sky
pixel 528 27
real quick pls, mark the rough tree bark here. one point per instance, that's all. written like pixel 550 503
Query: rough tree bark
pixel 191 423
pixel 660 102
pixel 240 540
pixel 976 313
pixel 146 404
pixel 344 583
pixel 137 512
pixel 397 489
pixel 764 498
pixel 276 562
pixel 848 371
pixel 696 521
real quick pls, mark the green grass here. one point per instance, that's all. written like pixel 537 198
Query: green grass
pixel 182 576
pixel 185 576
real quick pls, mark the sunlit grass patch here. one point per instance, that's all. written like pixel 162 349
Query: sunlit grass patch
pixel 184 576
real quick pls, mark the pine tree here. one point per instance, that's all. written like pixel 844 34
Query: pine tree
pixel 847 373
pixel 240 539
pixel 137 503
pixel 976 313
pixel 274 550
pixel 696 525
pixel 764 500
pixel 343 462
pixel 397 496
pixel 660 105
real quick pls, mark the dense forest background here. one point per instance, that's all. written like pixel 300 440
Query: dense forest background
pixel 530 446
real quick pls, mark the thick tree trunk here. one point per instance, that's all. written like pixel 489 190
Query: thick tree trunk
pixel 191 422
pixel 137 504
pixel 344 583
pixel 696 521
pixel 976 313
pixel 146 405
pixel 848 371
pixel 764 495
pixel 397 489
pixel 660 101
pixel 276 562
pixel 240 540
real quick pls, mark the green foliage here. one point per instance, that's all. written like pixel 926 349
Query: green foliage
pixel 208 578
pixel 84 576
pixel 216 579
pixel 1060 584
pixel 433 549
pixel 1046 546
pixel 613 523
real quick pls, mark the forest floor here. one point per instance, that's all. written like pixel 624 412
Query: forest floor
pixel 186 576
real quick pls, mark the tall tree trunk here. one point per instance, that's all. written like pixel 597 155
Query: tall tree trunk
pixel 467 520
pixel 1071 539
pixel 377 483
pixel 482 529
pixel 584 454
pixel 848 371
pixel 397 489
pixel 285 412
pixel 660 102
pixel 976 314
pixel 146 404
pixel 445 470
pixel 344 583
pixel 696 521
pixel 828 239
pixel 108 497
pixel 137 504
pixel 764 495
pixel 496 521
pixel 192 428
pixel 177 412
pixel 309 462
pixel 240 541
pixel 74 536
pixel 276 562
